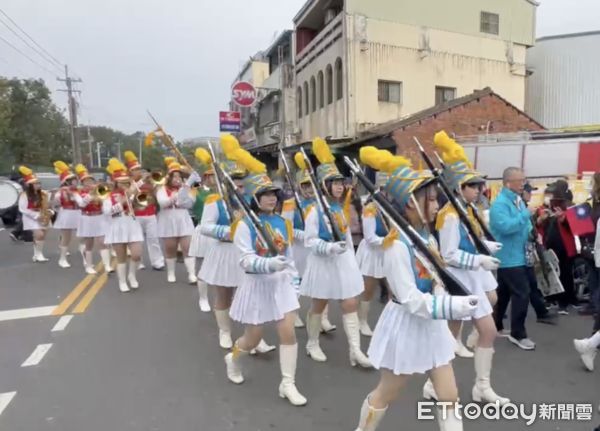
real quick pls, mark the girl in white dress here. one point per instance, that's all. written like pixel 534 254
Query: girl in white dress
pixel 266 292
pixel 175 225
pixel 411 336
pixel 92 222
pixel 124 230
pixel 331 270
pixel 474 270
pixel 31 203
pixel 69 212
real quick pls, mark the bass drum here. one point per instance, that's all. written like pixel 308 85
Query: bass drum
pixel 9 194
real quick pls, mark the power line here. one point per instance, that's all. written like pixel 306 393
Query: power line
pixel 31 38
pixel 26 56
pixel 41 54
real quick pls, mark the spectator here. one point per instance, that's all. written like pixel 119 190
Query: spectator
pixel 510 222
pixel 595 198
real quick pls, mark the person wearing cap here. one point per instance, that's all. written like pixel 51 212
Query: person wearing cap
pixel 473 269
pixel 510 223
pixel 266 291
pixel 124 230
pixel 146 216
pixel 32 203
pixel 92 223
pixel 370 255
pixel 412 334
pixel 175 226
pixel 69 212
pixel 331 272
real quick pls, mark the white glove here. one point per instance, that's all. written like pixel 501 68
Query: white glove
pixel 278 263
pixel 490 263
pixel 338 247
pixel 494 246
pixel 87 199
pixel 446 307
pixel 192 179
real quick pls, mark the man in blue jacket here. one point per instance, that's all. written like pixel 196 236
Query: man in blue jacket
pixel 510 222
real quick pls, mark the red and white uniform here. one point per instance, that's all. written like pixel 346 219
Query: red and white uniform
pixel 68 209
pixel 123 228
pixel 92 223
pixel 31 213
pixel 149 223
pixel 174 220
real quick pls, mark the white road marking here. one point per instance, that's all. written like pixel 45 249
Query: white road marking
pixel 37 355
pixel 5 400
pixel 62 323
pixel 25 313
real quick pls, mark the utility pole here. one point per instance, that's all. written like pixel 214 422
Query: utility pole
pixel 89 141
pixel 72 114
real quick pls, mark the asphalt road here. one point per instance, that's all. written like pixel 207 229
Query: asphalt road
pixel 150 360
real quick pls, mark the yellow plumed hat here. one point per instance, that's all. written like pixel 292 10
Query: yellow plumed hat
pixel 117 170
pixel 28 175
pixel 458 169
pixel 63 171
pixel 327 170
pixel 131 160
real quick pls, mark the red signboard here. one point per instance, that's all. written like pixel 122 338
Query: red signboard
pixel 243 94
pixel 229 121
pixel 589 157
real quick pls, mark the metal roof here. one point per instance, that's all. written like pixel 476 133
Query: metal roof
pixel 569 35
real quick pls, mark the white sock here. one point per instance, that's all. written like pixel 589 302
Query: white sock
pixel 594 340
pixel 63 252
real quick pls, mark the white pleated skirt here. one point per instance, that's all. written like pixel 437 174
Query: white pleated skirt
pixel 300 254
pixel 30 224
pixel 263 298
pixel 221 265
pixel 92 226
pixel 476 282
pixel 175 223
pixel 408 344
pixel 199 243
pixel 67 219
pixel 123 230
pixel 370 260
pixel 332 277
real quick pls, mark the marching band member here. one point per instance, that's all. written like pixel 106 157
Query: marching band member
pixel 411 336
pixel 146 216
pixel 201 243
pixel 124 230
pixel 69 212
pixel 92 223
pixel 266 292
pixel 34 205
pixel 175 224
pixel 474 270
pixel 370 258
pixel 331 272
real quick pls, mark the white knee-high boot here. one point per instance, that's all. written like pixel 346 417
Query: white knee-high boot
pixel 459 347
pixel 62 261
pixel 224 324
pixel 313 328
pixel 132 277
pixel 190 265
pixel 363 317
pixel 449 421
pixel 473 338
pixel 171 269
pixel 38 252
pixel 105 254
pixel 326 325
pixel 203 302
pixel 429 391
pixel 482 390
pixel 234 366
pixel 121 276
pixel 352 333
pixel 288 356
pixel 89 262
pixel 81 249
pixel 370 417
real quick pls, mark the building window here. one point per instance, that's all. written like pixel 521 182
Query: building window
pixel 444 94
pixel 389 91
pixel 299 96
pixel 321 90
pixel 329 79
pixel 490 23
pixel 305 98
pixel 313 94
pixel 339 79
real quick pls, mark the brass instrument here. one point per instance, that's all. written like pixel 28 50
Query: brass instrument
pixel 45 212
pixel 101 191
pixel 157 178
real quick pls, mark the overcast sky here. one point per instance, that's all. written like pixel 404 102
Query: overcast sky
pixel 178 57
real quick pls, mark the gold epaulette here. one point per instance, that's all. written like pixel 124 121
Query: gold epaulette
pixel 210 199
pixel 446 210
pixel 370 210
pixel 290 231
pixel 289 205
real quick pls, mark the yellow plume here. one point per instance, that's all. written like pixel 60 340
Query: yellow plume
pixel 203 156
pixel 114 165
pixel 130 156
pixel 322 151
pixel 149 139
pixel 169 160
pixel 451 151
pixel 299 159
pixel 247 160
pixel 24 170
pixel 382 160
pixel 80 169
pixel 60 167
pixel 229 144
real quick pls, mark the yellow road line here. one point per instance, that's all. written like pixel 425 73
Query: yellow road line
pixel 91 294
pixel 75 293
